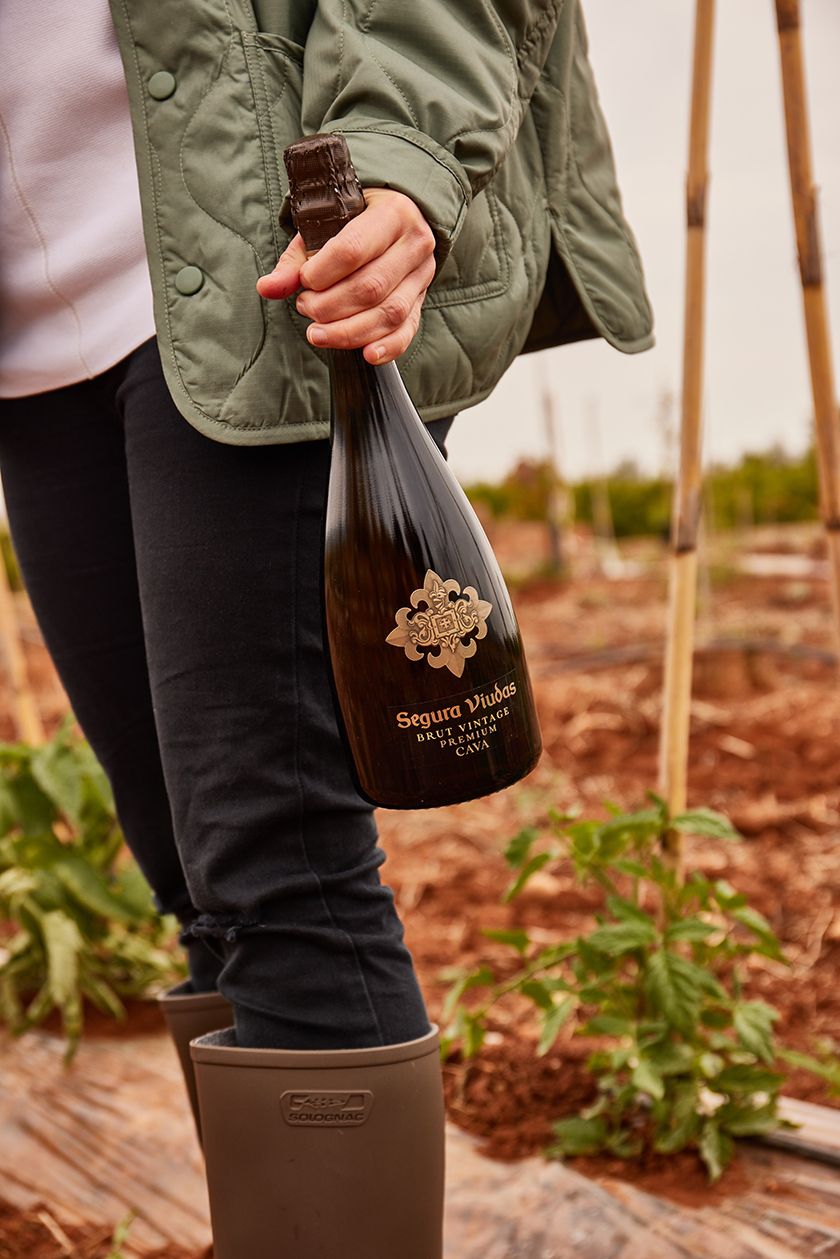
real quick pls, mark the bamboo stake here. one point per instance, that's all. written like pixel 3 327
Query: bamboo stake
pixel 679 648
pixel 25 713
pixel 808 245
pixel 603 530
pixel 556 508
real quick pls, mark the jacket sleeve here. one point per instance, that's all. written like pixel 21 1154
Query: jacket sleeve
pixel 430 93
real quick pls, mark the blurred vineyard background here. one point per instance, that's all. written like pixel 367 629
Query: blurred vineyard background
pixel 766 488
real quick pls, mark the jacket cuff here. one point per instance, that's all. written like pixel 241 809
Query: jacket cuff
pixel 393 156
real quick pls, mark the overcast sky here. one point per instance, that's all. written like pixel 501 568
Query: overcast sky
pixel 609 406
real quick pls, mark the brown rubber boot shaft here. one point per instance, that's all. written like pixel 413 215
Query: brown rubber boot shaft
pixel 188 1015
pixel 333 1154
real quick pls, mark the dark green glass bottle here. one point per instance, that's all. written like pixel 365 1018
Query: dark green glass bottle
pixel 427 661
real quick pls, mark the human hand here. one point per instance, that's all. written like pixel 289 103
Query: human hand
pixel 365 288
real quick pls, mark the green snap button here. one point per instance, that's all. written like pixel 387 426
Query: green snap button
pixel 189 280
pixel 162 85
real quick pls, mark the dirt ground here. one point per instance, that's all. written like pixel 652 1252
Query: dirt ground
pixel 765 750
pixel 37 1234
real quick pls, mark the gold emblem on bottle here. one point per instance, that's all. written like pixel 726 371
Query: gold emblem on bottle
pixel 441 617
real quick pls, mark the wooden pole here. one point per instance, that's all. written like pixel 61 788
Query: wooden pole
pixel 603 531
pixel 809 249
pixel 556 515
pixel 25 713
pixel 679 647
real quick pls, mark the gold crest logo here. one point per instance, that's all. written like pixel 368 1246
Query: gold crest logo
pixel 443 623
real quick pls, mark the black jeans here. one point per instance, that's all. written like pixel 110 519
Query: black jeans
pixel 176 582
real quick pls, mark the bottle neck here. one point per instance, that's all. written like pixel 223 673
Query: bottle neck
pixel 365 398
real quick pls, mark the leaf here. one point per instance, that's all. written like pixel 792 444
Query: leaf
pixel 634 868
pixel 519 940
pixel 482 978
pixel 669 1141
pixel 744 1078
pixel 582 845
pixel 624 1145
pixel 562 820
pixel 753 1023
pixel 671 1059
pixel 90 769
pixel 705 822
pixel 609 1025
pixel 692 929
pixel 55 771
pixel 538 993
pixel 16 882
pixel 758 924
pixel 135 892
pixel 516 853
pixel 624 937
pixel 641 824
pixel 715 1149
pixel 472 1032
pixel 751 1121
pixel 727 897
pixel 38 1009
pixel 63 942
pixel 590 960
pixel 535 864
pixel 101 994
pixel 716 1018
pixel 829 1071
pixel 9 815
pixel 551 1023
pixel 34 809
pixel 578 1136
pixel 626 911
pixel 647 1079
pixel 89 888
pixel 673 984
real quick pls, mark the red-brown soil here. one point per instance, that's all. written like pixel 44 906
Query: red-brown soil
pixel 765 750
pixel 36 1234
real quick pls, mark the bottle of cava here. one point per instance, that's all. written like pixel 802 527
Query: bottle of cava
pixel 427 662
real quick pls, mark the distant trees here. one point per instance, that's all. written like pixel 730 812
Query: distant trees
pixel 769 488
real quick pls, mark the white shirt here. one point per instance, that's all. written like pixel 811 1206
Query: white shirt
pixel 75 295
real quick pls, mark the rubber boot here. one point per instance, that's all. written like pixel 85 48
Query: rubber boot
pixel 189 1014
pixel 334 1154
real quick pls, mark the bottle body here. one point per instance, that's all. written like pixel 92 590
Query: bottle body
pixel 427 661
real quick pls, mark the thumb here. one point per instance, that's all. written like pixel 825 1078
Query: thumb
pixel 285 278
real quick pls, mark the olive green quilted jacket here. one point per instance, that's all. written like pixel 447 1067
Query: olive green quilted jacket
pixel 483 111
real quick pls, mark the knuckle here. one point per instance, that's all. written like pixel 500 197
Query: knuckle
pixel 422 237
pixel 395 310
pixel 348 246
pixel 371 289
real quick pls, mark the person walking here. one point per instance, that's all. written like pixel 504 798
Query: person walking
pixel 164 414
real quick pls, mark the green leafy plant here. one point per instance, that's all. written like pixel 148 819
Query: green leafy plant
pixel 687 1062
pixel 83 919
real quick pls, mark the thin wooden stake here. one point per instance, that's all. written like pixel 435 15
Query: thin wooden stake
pixel 25 713
pixel 679 648
pixel 808 245
pixel 558 499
